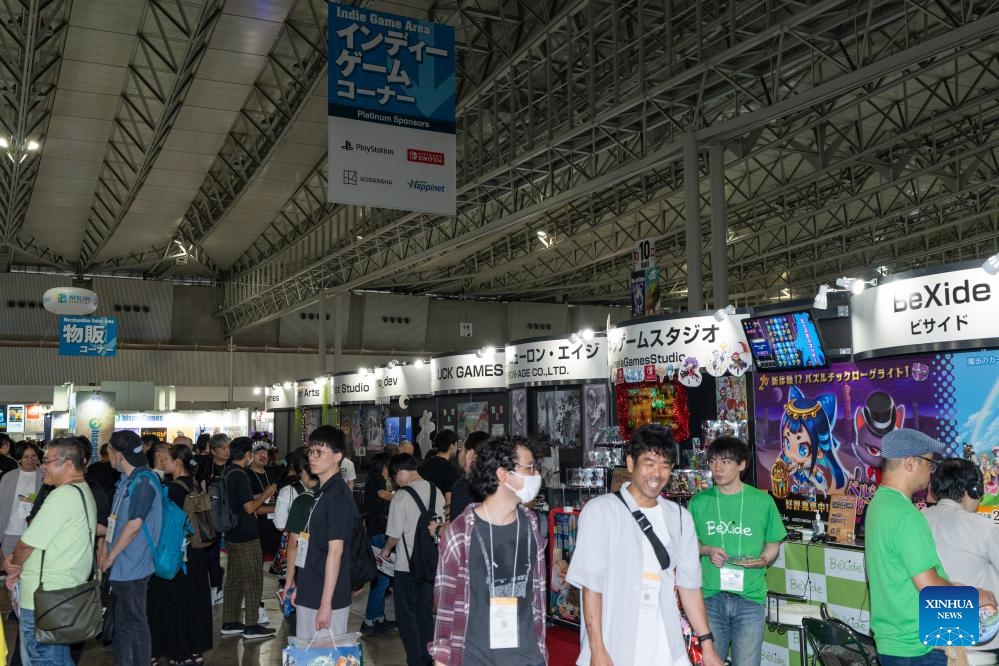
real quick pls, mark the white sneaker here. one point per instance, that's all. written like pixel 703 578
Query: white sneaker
pixel 216 596
pixel 262 617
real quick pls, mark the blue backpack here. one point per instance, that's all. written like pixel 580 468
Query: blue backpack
pixel 168 552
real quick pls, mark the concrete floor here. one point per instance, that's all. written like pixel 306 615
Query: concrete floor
pixel 378 651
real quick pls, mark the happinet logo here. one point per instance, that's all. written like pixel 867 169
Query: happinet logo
pixel 425 186
pixel 948 616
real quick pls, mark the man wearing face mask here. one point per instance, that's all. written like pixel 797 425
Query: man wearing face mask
pixel 490 584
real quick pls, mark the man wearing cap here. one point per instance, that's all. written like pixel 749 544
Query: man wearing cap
pixel 901 556
pixel 128 555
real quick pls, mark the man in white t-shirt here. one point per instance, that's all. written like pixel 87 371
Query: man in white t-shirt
pixel 348 471
pixel 414 598
pixel 630 613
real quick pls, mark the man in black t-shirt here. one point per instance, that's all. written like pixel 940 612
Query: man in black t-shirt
pixel 438 469
pixel 323 602
pixel 244 575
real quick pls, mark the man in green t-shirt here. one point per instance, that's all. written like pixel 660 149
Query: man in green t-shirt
pixel 901 555
pixel 739 531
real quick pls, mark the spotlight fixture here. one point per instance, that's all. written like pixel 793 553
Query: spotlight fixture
pixel 587 334
pixel 319 380
pixel 363 371
pixel 486 351
pixel 991 265
pixel 574 338
pixel 393 363
pixel 256 390
pixel 821 300
pixel 418 363
pixel 722 315
pixel 287 385
pixel 4 143
pixel 855 286
pixel 33 145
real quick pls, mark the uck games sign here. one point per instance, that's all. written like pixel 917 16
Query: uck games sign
pixel 467 372
pixel 925 312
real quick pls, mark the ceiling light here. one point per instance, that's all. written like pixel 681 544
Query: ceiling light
pixel 392 364
pixel 574 338
pixel 991 265
pixel 4 143
pixel 33 145
pixel 821 299
pixel 319 380
pixel 542 234
pixel 418 363
pixel 287 385
pixel 856 286
pixel 256 390
pixel 360 237
pixel 363 372
pixel 722 315
pixel 587 334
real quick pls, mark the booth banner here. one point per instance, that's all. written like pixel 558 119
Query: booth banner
pixel 564 603
pixel 403 380
pixel 820 431
pixel 821 574
pixel 664 348
pixel 391 111
pixel 313 393
pixel 471 371
pixel 34 420
pixel 15 418
pixel 556 360
pixel 88 336
pixel 921 312
pixel 279 397
pixel 93 417
pixel 351 387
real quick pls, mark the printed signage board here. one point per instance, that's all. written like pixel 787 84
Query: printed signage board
pixel 473 371
pixel 312 393
pixel 391 111
pixel 351 387
pixel 88 336
pixel 279 397
pixel 943 310
pixel 559 360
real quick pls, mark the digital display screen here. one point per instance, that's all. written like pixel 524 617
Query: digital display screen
pixel 788 341
pixel 398 428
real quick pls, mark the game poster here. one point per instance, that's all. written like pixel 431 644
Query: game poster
pixel 563 599
pixel 819 432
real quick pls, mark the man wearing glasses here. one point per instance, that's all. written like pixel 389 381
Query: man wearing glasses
pixel 490 585
pixel 901 554
pixel 64 530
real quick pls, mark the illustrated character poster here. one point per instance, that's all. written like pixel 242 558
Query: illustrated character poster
pixel 558 415
pixel 819 432
pixel 596 416
pixel 518 412
pixel 472 416
pixel 730 394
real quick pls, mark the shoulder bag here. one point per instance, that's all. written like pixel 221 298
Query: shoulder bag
pixel 643 523
pixel 72 614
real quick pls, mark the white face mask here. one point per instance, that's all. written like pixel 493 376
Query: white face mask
pixel 532 485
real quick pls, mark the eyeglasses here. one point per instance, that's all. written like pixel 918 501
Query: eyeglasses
pixel 46 461
pixel 933 463
pixel 533 467
pixel 317 452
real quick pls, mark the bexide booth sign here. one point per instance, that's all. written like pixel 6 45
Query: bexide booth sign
pixel 545 360
pixel 936 310
pixel 468 372
pixel 638 349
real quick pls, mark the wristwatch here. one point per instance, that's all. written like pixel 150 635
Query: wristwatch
pixel 706 637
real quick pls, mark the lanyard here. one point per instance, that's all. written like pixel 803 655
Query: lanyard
pixel 264 483
pixel 315 503
pixel 742 505
pixel 492 556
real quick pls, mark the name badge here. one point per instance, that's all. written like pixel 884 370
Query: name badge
pixel 112 519
pixel 503 623
pixel 732 579
pixel 24 508
pixel 302 549
pixel 648 600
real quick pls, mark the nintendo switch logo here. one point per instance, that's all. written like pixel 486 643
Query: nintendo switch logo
pixel 424 157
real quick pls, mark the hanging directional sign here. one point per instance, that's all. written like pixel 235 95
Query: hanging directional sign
pixel 88 336
pixel 391 111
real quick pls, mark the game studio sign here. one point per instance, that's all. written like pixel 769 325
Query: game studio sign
pixel 926 311
pixel 354 387
pixel 475 371
pixel 279 397
pixel 556 360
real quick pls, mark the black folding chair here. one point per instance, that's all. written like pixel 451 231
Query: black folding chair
pixel 835 643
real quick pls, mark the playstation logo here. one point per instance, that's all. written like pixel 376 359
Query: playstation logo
pixel 349 177
pixel 347 145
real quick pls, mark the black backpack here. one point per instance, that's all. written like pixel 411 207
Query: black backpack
pixel 363 568
pixel 423 557
pixel 225 518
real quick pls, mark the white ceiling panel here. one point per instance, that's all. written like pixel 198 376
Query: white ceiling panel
pixel 107 15
pixel 185 161
pixel 299 154
pixel 169 194
pixel 217 94
pixel 251 216
pixel 265 10
pixel 204 119
pixel 244 34
pixel 98 46
pixel 63 184
pixel 57 168
pixel 190 179
pixel 91 77
pixel 287 172
pixel 188 142
pixel 74 150
pixel 226 249
pixel 317 108
pixel 84 104
pixel 80 129
pixel 65 200
pixel 310 134
pixel 231 66
pixel 172 209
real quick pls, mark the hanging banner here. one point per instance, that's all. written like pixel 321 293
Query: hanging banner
pixel 942 310
pixel 34 420
pixel 279 397
pixel 649 350
pixel 88 336
pixel 468 372
pixel 313 394
pixel 391 111
pixel 351 387
pixel 554 360
pixel 404 380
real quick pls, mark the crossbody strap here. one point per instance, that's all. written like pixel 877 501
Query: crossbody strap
pixel 93 550
pixel 421 506
pixel 643 523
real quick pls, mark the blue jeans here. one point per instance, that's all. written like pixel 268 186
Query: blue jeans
pixel 737 623
pixel 931 658
pixel 376 596
pixel 38 654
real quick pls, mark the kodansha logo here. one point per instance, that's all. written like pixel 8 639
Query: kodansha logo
pixel 425 186
pixel 948 615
